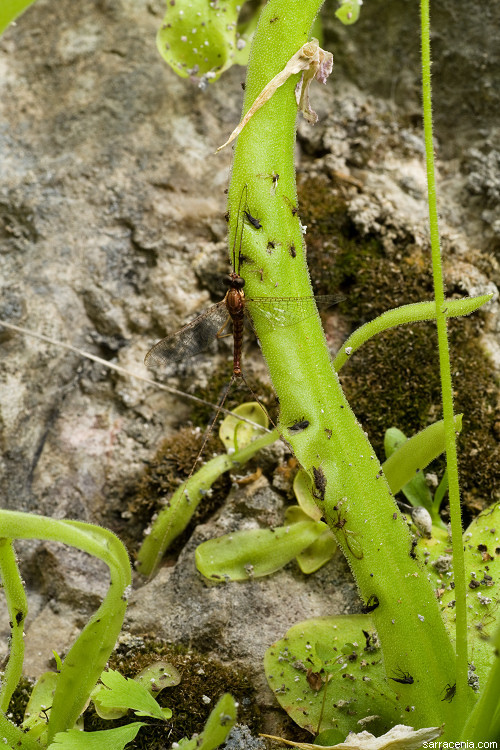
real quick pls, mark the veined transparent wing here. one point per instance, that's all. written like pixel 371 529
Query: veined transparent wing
pixel 191 339
pixel 280 312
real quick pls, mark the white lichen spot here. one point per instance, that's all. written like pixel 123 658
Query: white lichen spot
pixel 484 599
pixel 422 520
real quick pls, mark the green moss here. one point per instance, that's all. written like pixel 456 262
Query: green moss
pixel 335 252
pixel 19 700
pixel 476 389
pixel 201 676
pixel 394 379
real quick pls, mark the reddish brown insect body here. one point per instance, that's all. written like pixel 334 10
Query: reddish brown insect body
pixel 235 303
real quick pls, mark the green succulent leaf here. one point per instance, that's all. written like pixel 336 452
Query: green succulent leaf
pixel 339 655
pixel 220 722
pixel 254 553
pixel 318 553
pixel 348 12
pixel 119 692
pixel 302 488
pixel 10 10
pixel 407 457
pixel 155 677
pixel 482 566
pixel 111 739
pixel 39 704
pixel 203 38
pixel 235 434
pixel 329 737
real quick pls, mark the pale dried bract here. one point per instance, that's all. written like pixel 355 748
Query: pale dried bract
pixel 313 62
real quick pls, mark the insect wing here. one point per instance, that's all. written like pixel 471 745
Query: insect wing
pixel 280 312
pixel 190 340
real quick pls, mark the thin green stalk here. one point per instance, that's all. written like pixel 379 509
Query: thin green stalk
pixel 461 699
pixel 401 315
pixel 17 606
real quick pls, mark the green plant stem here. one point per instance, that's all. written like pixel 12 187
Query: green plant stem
pixel 408 620
pixel 17 606
pixel 400 316
pixel 88 655
pixel 462 699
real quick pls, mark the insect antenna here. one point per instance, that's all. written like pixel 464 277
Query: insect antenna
pixel 210 428
pixel 260 403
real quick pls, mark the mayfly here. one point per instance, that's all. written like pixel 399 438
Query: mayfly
pixel 271 312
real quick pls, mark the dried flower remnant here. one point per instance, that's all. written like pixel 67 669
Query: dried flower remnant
pixel 312 62
pixel 314 680
pixel 400 737
pixel 320 67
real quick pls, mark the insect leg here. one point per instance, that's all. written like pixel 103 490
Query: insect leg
pixel 221 335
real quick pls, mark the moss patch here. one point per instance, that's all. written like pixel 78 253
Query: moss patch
pixel 335 253
pixel 19 700
pixel 201 676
